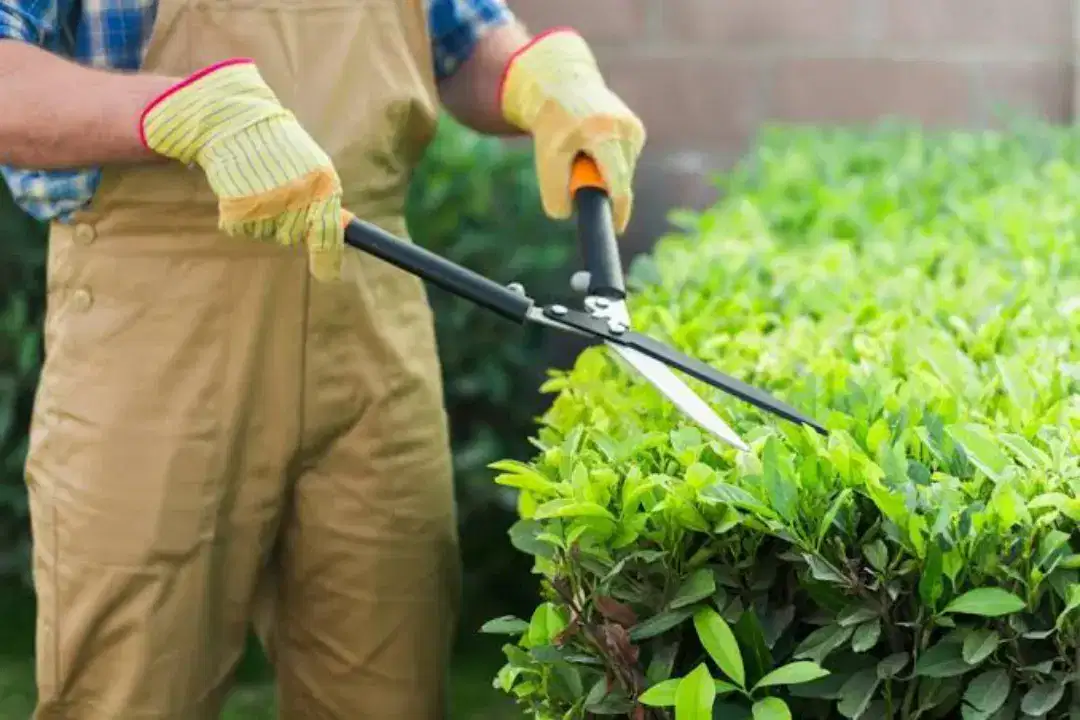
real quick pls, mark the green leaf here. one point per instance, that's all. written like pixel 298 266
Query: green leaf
pixel 660 623
pixel 596 693
pixel 987 602
pixel 779 482
pixel 877 434
pixel 877 555
pixel 823 571
pixel 1041 699
pixel 820 643
pixel 943 660
pixel 952 366
pixel 718 640
pixel 826 521
pixel 980 445
pixel 569 677
pixel 522 476
pixel 892 665
pixel 565 508
pixel 724 688
pixel 660 695
pixel 1015 378
pixel 866 636
pixel 1025 451
pixel 505 625
pixel 932 579
pixel 662 662
pixel 695 695
pixel 856 694
pixel 1072 602
pixel 940 693
pixel 700 585
pixel 737 497
pixel 525 536
pixel 750 636
pixel 988 691
pixel 685 438
pixel 792 674
pixel 979 645
pixel 546 623
pixel 771 708
pixel 855 615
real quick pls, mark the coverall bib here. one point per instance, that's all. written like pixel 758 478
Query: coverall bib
pixel 219 440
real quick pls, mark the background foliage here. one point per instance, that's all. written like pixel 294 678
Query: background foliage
pixel 920 294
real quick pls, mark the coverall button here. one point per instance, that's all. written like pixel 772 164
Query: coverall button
pixel 81 299
pixel 85 234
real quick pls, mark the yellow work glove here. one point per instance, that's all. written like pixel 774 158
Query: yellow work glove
pixel 272 180
pixel 553 89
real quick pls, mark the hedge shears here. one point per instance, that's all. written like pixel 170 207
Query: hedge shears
pixel 604 316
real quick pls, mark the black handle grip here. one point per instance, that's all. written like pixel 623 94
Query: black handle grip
pixel 437 270
pixel 599 246
pixel 596 230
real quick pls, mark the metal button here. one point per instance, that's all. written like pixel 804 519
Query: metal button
pixel 85 234
pixel 81 299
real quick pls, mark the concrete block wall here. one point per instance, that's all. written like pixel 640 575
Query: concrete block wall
pixel 705 74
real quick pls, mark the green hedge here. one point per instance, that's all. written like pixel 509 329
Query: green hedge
pixel 920 294
pixel 474 200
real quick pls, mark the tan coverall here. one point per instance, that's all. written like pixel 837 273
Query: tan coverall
pixel 217 438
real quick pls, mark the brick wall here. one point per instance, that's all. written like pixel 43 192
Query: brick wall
pixel 704 74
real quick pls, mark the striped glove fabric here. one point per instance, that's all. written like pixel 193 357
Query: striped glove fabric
pixel 271 178
pixel 553 89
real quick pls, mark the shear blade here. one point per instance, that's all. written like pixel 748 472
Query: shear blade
pixel 668 383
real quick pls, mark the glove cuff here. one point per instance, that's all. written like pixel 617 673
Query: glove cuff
pixel 538 68
pixel 182 119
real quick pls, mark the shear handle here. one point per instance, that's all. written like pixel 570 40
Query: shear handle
pixel 596 231
pixel 437 270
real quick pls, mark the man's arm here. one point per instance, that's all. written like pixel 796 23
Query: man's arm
pixel 473 40
pixel 471 93
pixel 58 114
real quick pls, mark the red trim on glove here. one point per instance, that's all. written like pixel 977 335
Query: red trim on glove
pixel 535 39
pixel 180 86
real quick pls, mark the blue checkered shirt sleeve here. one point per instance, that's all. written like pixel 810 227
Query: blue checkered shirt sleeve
pixel 457 25
pixel 31 21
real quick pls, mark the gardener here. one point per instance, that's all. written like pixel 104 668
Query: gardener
pixel 237 421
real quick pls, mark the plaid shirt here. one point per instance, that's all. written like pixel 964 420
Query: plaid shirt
pixel 112 34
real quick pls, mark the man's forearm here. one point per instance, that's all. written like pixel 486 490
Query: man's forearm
pixel 58 114
pixel 471 93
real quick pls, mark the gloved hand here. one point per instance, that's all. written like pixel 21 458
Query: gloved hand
pixel 272 180
pixel 552 88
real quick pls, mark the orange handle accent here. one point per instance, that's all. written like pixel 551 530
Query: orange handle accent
pixel 585 173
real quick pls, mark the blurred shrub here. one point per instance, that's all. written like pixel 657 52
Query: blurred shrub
pixel 22 306
pixel 473 200
pixel 920 295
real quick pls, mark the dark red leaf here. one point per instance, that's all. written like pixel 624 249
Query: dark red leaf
pixel 616 611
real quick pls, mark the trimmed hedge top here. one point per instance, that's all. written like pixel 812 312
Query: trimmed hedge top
pixel 920 296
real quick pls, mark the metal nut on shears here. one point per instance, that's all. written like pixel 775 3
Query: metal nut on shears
pixel 579 281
